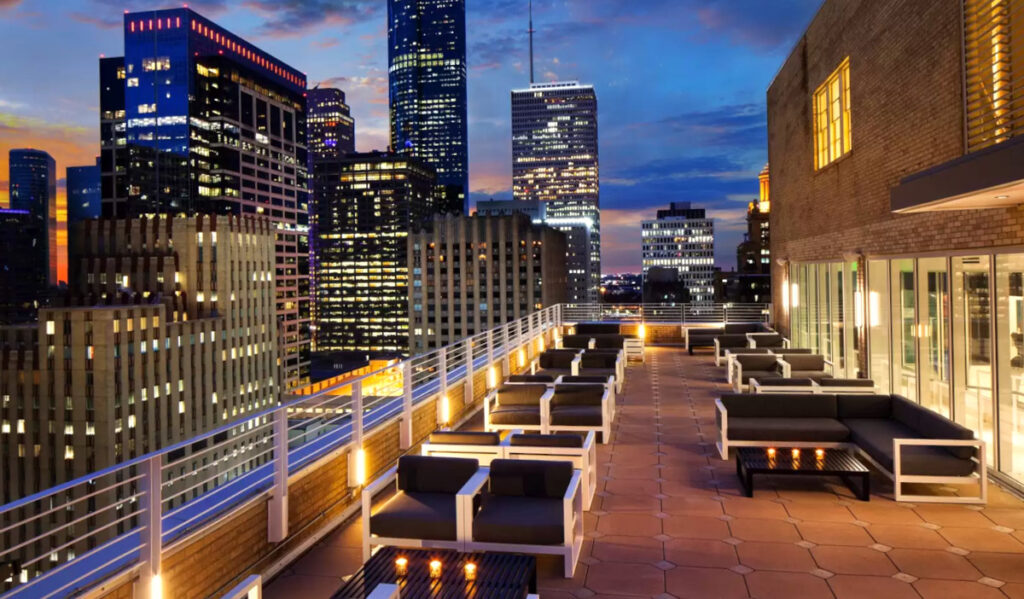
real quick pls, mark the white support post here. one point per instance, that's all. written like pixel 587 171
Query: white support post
pixel 277 511
pixel 150 584
pixel 507 344
pixel 405 428
pixel 491 382
pixel 533 336
pixel 469 370
pixel 356 458
pixel 442 398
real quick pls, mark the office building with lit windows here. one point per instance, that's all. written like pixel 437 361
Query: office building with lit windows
pixel 32 187
pixel 169 331
pixel 897 235
pixel 83 188
pixel 555 160
pixel 682 238
pixel 196 120
pixel 367 204
pixel 23 274
pixel 332 130
pixel 472 274
pixel 427 91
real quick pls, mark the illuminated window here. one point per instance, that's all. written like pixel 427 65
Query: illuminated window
pixel 993 110
pixel 832 117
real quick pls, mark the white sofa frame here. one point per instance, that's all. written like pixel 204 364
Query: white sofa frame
pixel 737 373
pixel 572 523
pixel 607 414
pixel 611 385
pixel 752 339
pixel 979 477
pixel 545 413
pixel 787 369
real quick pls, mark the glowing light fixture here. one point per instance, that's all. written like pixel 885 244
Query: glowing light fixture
pixel 794 296
pixel 360 466
pixel 819 453
pixel 435 568
pixel 641 331
pixel 401 566
pixel 771 452
pixel 470 570
pixel 445 410
pixel 796 453
pixel 156 587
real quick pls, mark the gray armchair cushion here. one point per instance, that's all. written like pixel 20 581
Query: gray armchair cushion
pixel 760 375
pixel 432 474
pixel 530 478
pixel 779 405
pixel 609 341
pixel 557 360
pixel 731 341
pixel 742 328
pixel 737 351
pixel 465 438
pixel 554 372
pixel 769 339
pixel 416 516
pixel 595 379
pixel 810 374
pixel 787 429
pixel 875 437
pixel 518 415
pixel 791 351
pixel 576 341
pixel 577 395
pixel 597 328
pixel 762 362
pixel 577 416
pixel 863 406
pixel 519 520
pixel 530 440
pixel 598 373
pixel 531 378
pixel 805 362
pixel 521 395
pixel 931 425
pixel 867 384
pixel 590 360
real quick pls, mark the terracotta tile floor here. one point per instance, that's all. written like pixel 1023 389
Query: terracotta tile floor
pixel 670 521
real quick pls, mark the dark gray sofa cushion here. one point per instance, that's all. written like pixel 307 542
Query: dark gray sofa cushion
pixel 593 379
pixel 577 395
pixel 416 516
pixel 731 341
pixel 531 440
pixel 769 339
pixel 590 360
pixel 816 375
pixel 863 406
pixel 465 438
pixel 521 395
pixel 791 351
pixel 600 373
pixel 806 362
pixel 557 360
pixel 760 375
pixel 760 362
pixel 576 341
pixel 867 384
pixel 875 436
pixel 745 327
pixel 554 372
pixel 530 478
pixel 531 378
pixel 779 405
pixel 519 415
pixel 577 416
pixel 432 474
pixel 787 429
pixel 520 520
pixel 609 341
pixel 929 424
pixel 598 328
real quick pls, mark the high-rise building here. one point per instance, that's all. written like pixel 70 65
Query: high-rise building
pixel 332 130
pixel 33 188
pixel 23 274
pixel 753 255
pixel 427 91
pixel 682 238
pixel 196 120
pixel 473 273
pixel 555 160
pixel 169 331
pixel 367 203
pixel 83 187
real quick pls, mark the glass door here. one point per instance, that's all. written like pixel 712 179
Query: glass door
pixel 972 338
pixel 853 303
pixel 878 321
pixel 904 344
pixel 836 314
pixel 933 333
pixel 1010 352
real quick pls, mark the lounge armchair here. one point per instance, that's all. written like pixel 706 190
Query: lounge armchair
pixel 773 340
pixel 481 446
pixel 556 362
pixel 729 353
pixel 578 342
pixel 582 408
pixel 724 343
pixel 607 381
pixel 598 328
pixel 757 366
pixel 703 336
pixel 603 365
pixel 518 406
pixel 605 341
pixel 620 356
pixel 530 506
pixel 806 366
pixel 531 378
pixel 424 512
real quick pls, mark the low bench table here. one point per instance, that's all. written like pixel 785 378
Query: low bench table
pixel 498 575
pixel 835 462
pixel 782 386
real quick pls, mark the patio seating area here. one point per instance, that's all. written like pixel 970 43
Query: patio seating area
pixel 670 519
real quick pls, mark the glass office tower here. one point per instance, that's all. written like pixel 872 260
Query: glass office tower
pixel 427 91
pixel 332 130
pixel 33 188
pixel 196 120
pixel 83 184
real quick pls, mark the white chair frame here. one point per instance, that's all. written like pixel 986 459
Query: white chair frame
pixel 545 413
pixel 752 339
pixel 607 414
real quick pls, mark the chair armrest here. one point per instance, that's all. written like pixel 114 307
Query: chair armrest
pixel 589 440
pixel 475 483
pixel 366 503
pixel 787 369
pixel 464 504
pixel 545 410
pixel 574 367
pixel 607 407
pixel 382 481
pixel 574 486
pixel 976 443
pixel 723 424
pixel 592 343
pixel 785 342
pixel 718 347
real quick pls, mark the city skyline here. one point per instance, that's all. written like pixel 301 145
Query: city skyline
pixel 678 143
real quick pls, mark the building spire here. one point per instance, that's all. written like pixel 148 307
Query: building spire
pixel 531 31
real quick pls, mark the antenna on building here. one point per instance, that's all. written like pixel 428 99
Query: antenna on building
pixel 531 31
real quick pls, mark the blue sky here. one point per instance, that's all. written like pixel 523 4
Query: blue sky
pixel 680 83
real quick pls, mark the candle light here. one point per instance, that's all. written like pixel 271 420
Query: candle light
pixel 435 568
pixel 796 453
pixel 401 566
pixel 771 452
pixel 819 453
pixel 470 570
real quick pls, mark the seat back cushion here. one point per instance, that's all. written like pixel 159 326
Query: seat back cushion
pixel 464 438
pixel 537 440
pixel 780 405
pixel 521 395
pixel 806 362
pixel 863 406
pixel 577 395
pixel 590 360
pixel 725 341
pixel 530 478
pixel 531 378
pixel 576 341
pixel 931 425
pixel 743 328
pixel 432 474
pixel 597 328
pixel 595 379
pixel 768 339
pixel 761 362
pixel 609 341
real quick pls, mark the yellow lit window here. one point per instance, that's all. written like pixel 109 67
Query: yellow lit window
pixel 832 117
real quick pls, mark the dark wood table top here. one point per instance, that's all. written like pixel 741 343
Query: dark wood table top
pixel 498 575
pixel 834 461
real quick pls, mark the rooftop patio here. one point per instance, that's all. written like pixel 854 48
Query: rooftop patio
pixel 670 520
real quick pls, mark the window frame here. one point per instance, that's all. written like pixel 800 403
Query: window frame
pixel 831 117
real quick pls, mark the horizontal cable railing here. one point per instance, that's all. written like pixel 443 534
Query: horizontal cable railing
pixel 68 538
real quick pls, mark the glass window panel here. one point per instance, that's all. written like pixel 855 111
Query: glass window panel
pixel 972 343
pixel 878 324
pixel 904 346
pixel 1010 349
pixel 933 333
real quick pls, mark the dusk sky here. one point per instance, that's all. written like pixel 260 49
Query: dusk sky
pixel 680 84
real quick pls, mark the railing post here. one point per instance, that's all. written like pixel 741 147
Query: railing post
pixel 507 344
pixel 442 399
pixel 277 511
pixel 405 427
pixel 150 582
pixel 356 455
pixel 725 314
pixel 490 361
pixel 469 371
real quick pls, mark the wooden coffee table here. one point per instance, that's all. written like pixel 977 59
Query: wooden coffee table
pixel 834 462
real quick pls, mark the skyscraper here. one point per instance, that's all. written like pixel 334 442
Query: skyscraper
pixel 211 124
pixel 332 130
pixel 83 185
pixel 555 160
pixel 367 204
pixel 427 91
pixel 33 188
pixel 682 238
pixel 23 273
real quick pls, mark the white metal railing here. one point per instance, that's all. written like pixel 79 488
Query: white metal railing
pixel 700 313
pixel 68 538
